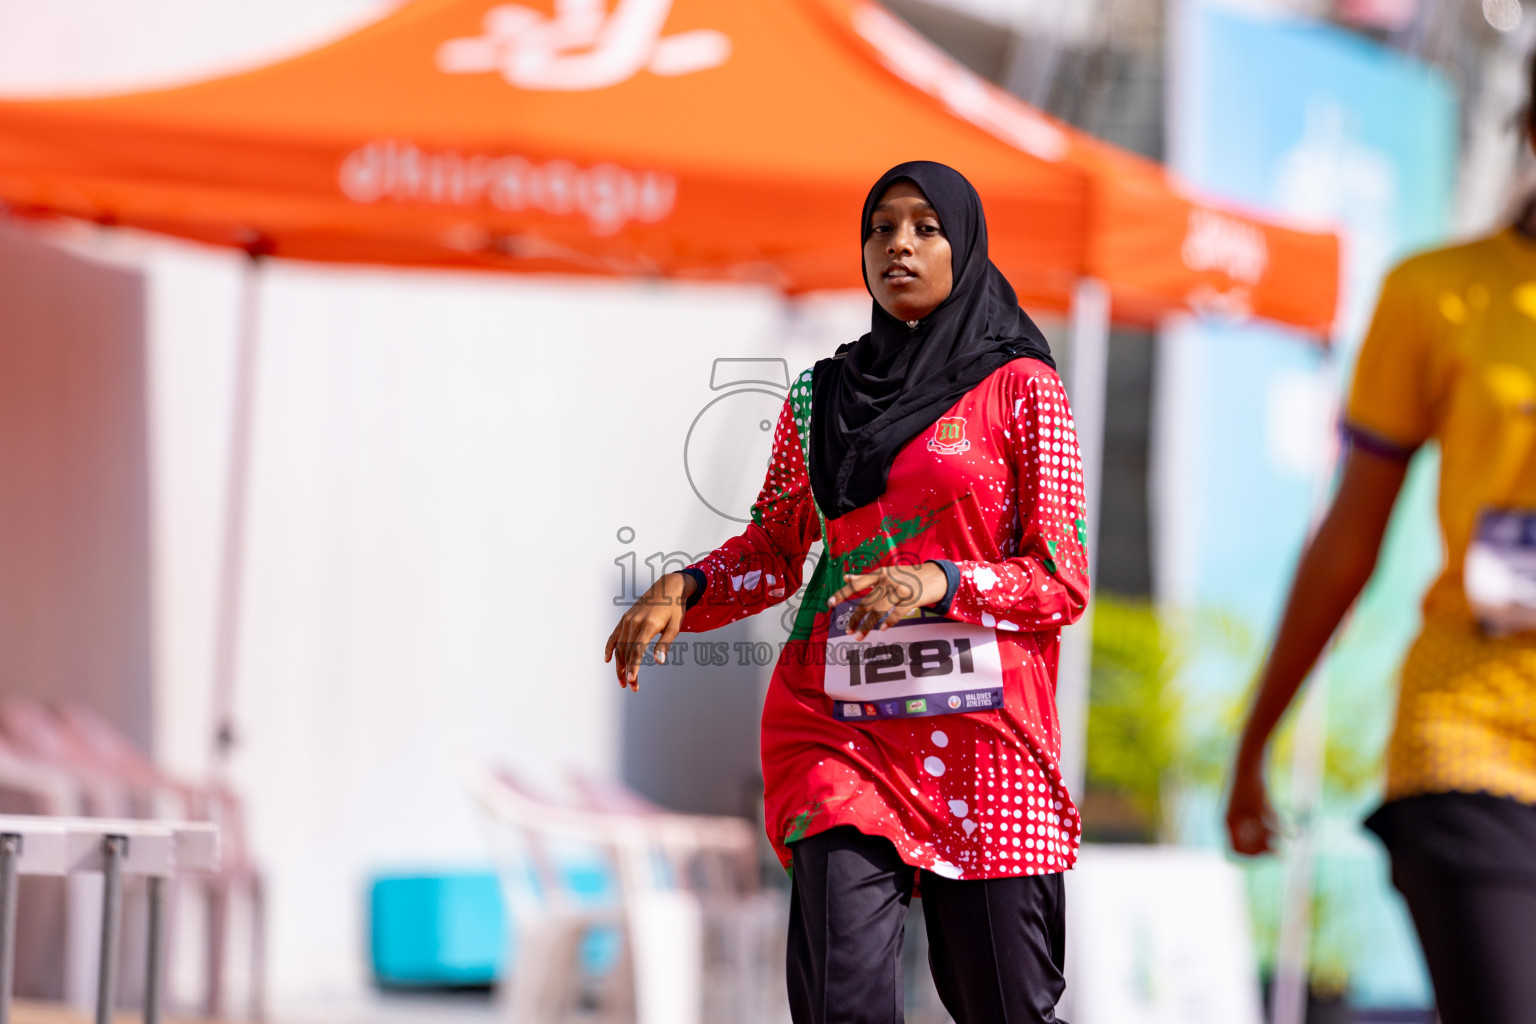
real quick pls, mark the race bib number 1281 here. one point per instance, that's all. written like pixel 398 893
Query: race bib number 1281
pixel 922 665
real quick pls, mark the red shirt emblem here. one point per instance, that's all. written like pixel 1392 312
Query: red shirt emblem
pixel 949 436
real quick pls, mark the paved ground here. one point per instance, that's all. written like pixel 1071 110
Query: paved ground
pixel 392 1008
pixel 24 1012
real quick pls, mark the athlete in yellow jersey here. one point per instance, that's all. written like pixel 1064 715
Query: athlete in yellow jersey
pixel 1450 357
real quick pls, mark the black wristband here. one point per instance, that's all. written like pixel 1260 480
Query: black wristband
pixel 952 584
pixel 700 581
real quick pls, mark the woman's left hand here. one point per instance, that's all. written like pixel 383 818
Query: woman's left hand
pixel 890 594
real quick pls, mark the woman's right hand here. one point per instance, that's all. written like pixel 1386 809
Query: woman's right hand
pixel 1332 572
pixel 1251 823
pixel 658 613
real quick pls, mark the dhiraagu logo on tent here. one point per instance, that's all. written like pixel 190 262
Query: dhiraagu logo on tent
pixel 582 46
pixel 608 196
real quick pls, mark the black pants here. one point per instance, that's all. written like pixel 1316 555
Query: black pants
pixel 1479 940
pixel 1466 866
pixel 995 946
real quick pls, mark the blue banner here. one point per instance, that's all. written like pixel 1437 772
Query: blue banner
pixel 1327 128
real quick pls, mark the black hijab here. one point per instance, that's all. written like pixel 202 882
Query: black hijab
pixel 875 395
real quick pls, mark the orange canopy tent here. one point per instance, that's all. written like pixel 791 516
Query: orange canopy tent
pixel 678 138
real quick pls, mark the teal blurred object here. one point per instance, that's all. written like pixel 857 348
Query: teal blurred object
pixel 452 929
pixel 444 930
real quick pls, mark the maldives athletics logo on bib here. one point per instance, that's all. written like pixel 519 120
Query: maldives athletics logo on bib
pixel 949 436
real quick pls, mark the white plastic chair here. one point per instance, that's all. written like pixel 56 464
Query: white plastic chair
pixel 716 859
pixel 697 934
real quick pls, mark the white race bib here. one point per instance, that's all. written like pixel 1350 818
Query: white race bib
pixel 922 665
pixel 1499 575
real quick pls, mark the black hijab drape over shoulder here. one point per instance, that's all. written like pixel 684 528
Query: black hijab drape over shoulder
pixel 877 394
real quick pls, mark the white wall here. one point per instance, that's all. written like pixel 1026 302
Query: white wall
pixel 440 466
pixel 74 502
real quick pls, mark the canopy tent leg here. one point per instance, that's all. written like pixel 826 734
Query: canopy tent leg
pixel 1086 375
pixel 1289 989
pixel 236 490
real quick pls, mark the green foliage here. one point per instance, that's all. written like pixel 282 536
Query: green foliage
pixel 1334 940
pixel 1352 747
pixel 1351 772
pixel 1145 735
pixel 1149 739
pixel 1134 714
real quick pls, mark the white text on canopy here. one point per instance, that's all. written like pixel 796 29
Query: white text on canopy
pixel 609 196
pixel 583 46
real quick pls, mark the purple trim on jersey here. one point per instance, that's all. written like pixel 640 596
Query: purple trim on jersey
pixel 1375 444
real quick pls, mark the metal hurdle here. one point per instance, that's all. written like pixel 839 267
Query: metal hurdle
pixel 156 850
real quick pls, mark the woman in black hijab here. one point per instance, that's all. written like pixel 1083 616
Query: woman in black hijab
pixel 937 332
pixel 909 733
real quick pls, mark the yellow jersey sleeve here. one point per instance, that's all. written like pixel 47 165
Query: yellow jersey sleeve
pixel 1390 400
